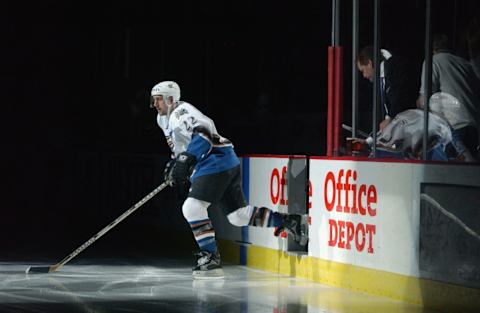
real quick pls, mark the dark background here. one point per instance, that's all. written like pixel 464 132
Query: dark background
pixel 79 142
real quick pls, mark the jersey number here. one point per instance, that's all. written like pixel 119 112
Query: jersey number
pixel 189 123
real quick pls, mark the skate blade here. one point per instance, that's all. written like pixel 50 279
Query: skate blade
pixel 212 274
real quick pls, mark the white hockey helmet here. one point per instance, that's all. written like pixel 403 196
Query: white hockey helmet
pixel 166 89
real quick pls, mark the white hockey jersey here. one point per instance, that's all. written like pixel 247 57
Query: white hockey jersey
pixel 405 132
pixel 188 129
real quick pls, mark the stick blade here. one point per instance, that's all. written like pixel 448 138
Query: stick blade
pixel 38 269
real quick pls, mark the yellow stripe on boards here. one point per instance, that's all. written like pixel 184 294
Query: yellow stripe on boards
pixel 431 294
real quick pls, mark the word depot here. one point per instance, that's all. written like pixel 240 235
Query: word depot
pixel 341 194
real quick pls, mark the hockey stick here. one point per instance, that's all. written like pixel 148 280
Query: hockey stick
pixel 360 132
pixel 53 268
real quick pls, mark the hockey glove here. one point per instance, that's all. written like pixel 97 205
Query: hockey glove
pixel 183 169
pixel 168 172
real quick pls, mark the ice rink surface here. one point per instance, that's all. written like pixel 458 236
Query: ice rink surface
pixel 166 285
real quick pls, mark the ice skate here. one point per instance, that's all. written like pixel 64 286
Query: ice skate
pixel 208 266
pixel 297 226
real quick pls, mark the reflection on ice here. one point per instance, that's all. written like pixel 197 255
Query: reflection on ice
pixel 167 286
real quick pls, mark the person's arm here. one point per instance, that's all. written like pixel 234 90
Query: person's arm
pixel 422 87
pixel 201 143
pixel 197 149
pixel 435 83
pixel 385 122
pixel 420 101
pixel 196 130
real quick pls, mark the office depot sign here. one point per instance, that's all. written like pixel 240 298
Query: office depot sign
pixel 342 195
pixel 361 216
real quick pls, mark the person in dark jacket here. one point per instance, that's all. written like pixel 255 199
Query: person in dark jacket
pixel 397 91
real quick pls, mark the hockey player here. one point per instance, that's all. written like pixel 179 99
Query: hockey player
pixel 205 168
pixel 403 137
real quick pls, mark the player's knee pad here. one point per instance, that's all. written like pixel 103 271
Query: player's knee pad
pixel 240 217
pixel 195 210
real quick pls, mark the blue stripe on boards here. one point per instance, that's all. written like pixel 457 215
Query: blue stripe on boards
pixel 246 191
